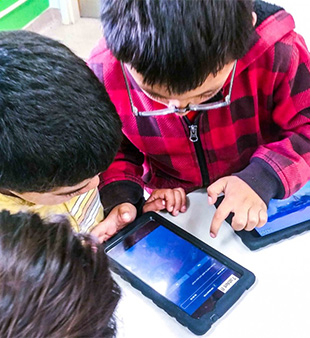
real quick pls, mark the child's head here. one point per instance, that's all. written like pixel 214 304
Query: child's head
pixel 177 44
pixel 53 284
pixel 58 127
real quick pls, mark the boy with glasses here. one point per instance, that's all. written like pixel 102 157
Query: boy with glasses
pixel 211 94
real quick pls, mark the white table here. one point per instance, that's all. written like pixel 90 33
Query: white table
pixel 276 306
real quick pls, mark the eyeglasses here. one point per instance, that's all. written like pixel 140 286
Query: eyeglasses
pixel 191 107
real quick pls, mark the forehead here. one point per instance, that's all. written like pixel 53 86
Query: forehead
pixel 211 85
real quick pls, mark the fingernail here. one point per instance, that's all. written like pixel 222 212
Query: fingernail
pixel 126 216
pixel 163 202
pixel 183 209
pixel 212 235
pixel 170 208
pixel 209 199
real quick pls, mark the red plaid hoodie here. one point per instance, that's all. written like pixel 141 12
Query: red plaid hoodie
pixel 263 137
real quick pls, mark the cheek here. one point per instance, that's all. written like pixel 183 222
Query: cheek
pixel 44 198
pixel 200 100
pixel 93 183
pixel 51 199
pixel 58 200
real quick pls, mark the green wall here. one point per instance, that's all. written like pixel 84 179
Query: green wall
pixel 6 3
pixel 22 15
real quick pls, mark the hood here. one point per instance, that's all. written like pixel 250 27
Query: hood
pixel 269 30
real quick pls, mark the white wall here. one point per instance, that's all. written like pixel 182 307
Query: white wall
pixel 69 10
pixel 54 3
pixel 300 11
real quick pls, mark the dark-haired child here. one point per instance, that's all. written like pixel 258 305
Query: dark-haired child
pixel 58 131
pixel 53 282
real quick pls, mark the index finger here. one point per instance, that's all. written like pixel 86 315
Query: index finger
pixel 219 217
pixel 154 205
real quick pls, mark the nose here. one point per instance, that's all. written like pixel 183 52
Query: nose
pixel 178 104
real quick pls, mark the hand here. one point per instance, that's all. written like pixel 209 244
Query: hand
pixel 249 209
pixel 174 200
pixel 118 218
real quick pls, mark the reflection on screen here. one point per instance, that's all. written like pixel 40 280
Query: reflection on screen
pixel 175 268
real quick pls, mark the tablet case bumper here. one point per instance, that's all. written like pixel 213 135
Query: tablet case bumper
pixel 254 241
pixel 197 326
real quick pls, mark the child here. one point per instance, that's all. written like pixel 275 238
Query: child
pixel 211 94
pixel 58 131
pixel 51 284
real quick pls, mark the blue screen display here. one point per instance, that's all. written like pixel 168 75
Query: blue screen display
pixel 175 268
pixel 287 212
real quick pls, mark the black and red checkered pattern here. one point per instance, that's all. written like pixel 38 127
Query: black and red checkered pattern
pixel 267 123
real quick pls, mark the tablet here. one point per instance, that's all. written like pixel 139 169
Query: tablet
pixel 286 218
pixel 287 212
pixel 184 276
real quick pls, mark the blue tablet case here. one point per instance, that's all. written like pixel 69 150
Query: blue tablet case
pixel 287 217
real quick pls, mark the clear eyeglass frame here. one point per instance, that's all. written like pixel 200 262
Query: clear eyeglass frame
pixel 191 107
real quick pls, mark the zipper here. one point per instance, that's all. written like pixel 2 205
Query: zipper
pixel 193 133
pixel 194 137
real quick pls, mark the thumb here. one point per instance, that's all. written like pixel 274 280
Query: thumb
pixel 215 189
pixel 120 216
pixel 117 219
pixel 126 214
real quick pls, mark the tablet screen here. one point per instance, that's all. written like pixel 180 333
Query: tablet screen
pixel 175 268
pixel 287 212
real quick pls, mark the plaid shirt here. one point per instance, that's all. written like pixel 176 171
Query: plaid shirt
pixel 262 137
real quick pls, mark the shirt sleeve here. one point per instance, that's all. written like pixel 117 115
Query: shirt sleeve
pixel 119 192
pixel 280 168
pixel 122 181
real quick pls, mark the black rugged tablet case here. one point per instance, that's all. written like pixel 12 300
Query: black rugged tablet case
pixel 197 326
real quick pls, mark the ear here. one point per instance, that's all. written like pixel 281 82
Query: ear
pixel 254 18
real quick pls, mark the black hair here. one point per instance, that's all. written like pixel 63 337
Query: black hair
pixel 52 284
pixel 177 43
pixel 58 125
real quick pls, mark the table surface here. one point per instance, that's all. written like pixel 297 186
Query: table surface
pixel 277 305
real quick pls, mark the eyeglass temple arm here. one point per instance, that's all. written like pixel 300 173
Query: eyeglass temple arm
pixel 231 82
pixel 133 108
pixel 158 112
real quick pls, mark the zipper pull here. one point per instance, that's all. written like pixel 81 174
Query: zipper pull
pixel 193 135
